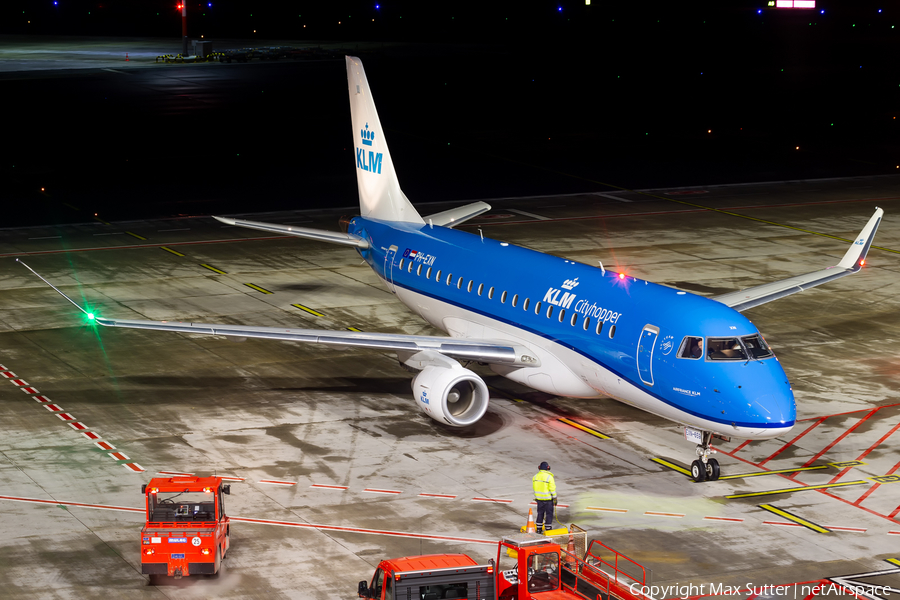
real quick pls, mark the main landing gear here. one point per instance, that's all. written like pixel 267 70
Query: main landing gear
pixel 705 468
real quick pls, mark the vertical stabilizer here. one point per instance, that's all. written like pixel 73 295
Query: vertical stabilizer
pixel 380 196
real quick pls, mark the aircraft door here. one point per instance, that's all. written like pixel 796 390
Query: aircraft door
pixel 646 344
pixel 389 267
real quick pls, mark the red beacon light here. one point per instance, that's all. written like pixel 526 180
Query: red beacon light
pixel 862 262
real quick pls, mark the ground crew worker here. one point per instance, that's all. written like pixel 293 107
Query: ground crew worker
pixel 545 494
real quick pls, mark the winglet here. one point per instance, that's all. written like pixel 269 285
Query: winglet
pixel 856 254
pixel 55 289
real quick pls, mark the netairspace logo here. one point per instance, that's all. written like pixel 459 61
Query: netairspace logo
pixel 370 161
pixel 791 591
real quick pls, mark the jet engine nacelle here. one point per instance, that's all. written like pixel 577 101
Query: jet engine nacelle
pixel 455 396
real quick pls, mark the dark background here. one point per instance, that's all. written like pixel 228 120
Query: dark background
pixel 479 101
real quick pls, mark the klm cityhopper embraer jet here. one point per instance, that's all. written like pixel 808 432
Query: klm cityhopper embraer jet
pixel 552 324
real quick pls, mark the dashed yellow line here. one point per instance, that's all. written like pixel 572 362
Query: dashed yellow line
pixel 212 268
pixel 140 237
pixel 796 489
pixel 794 518
pixel 759 473
pixel 351 328
pixel 258 289
pixel 175 252
pixel 314 312
pixel 672 466
pixel 589 430
pixel 101 220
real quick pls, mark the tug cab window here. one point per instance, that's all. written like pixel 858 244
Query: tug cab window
pixel 691 347
pixel 543 572
pixel 724 349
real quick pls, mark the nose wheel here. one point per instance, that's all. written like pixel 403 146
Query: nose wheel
pixel 705 468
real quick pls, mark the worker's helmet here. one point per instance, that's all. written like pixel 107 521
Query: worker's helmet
pixel 544 466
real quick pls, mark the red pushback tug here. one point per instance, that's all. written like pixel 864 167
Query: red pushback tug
pixel 187 530
pixel 529 566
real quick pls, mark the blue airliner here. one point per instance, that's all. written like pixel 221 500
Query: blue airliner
pixel 552 324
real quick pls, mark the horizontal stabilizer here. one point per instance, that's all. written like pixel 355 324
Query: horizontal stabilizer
pixel 852 262
pixel 458 215
pixel 321 235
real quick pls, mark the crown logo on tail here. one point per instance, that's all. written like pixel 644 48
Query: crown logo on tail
pixel 367 136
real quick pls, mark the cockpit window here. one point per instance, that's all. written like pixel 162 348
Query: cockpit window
pixel 724 349
pixel 757 346
pixel 691 347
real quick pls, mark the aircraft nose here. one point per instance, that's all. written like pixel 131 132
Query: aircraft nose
pixel 776 407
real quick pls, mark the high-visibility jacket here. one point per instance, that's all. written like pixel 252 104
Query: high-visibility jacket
pixel 544 486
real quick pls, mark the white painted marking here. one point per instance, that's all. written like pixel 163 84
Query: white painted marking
pixel 377 491
pixel 276 482
pixel 611 197
pixel 725 519
pixel 112 233
pixel 447 496
pixel 46 237
pixel 528 214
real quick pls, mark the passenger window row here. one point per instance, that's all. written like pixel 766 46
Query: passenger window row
pixel 561 316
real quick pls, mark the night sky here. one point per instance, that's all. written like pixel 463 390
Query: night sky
pixel 489 100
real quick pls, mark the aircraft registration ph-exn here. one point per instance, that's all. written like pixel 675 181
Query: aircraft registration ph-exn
pixel 555 325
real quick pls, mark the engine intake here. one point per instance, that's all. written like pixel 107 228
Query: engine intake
pixel 455 396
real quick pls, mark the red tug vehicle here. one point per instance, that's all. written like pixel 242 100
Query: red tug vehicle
pixel 529 566
pixel 187 531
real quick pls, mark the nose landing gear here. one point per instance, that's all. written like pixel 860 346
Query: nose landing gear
pixel 705 468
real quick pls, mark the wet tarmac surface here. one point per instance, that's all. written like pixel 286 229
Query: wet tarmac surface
pixel 362 474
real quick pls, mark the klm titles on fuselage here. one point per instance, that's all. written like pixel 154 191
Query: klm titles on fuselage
pixel 370 162
pixel 564 299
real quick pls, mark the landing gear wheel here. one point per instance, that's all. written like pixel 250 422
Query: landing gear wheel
pixel 698 471
pixel 712 469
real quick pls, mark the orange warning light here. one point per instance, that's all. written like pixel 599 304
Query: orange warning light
pixel 862 262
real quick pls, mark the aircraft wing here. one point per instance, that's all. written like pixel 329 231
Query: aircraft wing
pixel 853 260
pixel 407 346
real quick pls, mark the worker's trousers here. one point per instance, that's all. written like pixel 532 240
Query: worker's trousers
pixel 544 515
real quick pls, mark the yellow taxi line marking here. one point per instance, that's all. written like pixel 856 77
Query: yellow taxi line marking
pixel 140 237
pixel 212 268
pixel 759 473
pixel 354 329
pixel 796 489
pixel 672 466
pixel 589 430
pixel 504 394
pixel 175 252
pixel 894 561
pixel 794 518
pixel 258 289
pixel 310 311
pixel 101 220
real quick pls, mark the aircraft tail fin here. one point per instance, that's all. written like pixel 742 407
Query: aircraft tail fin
pixel 380 196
